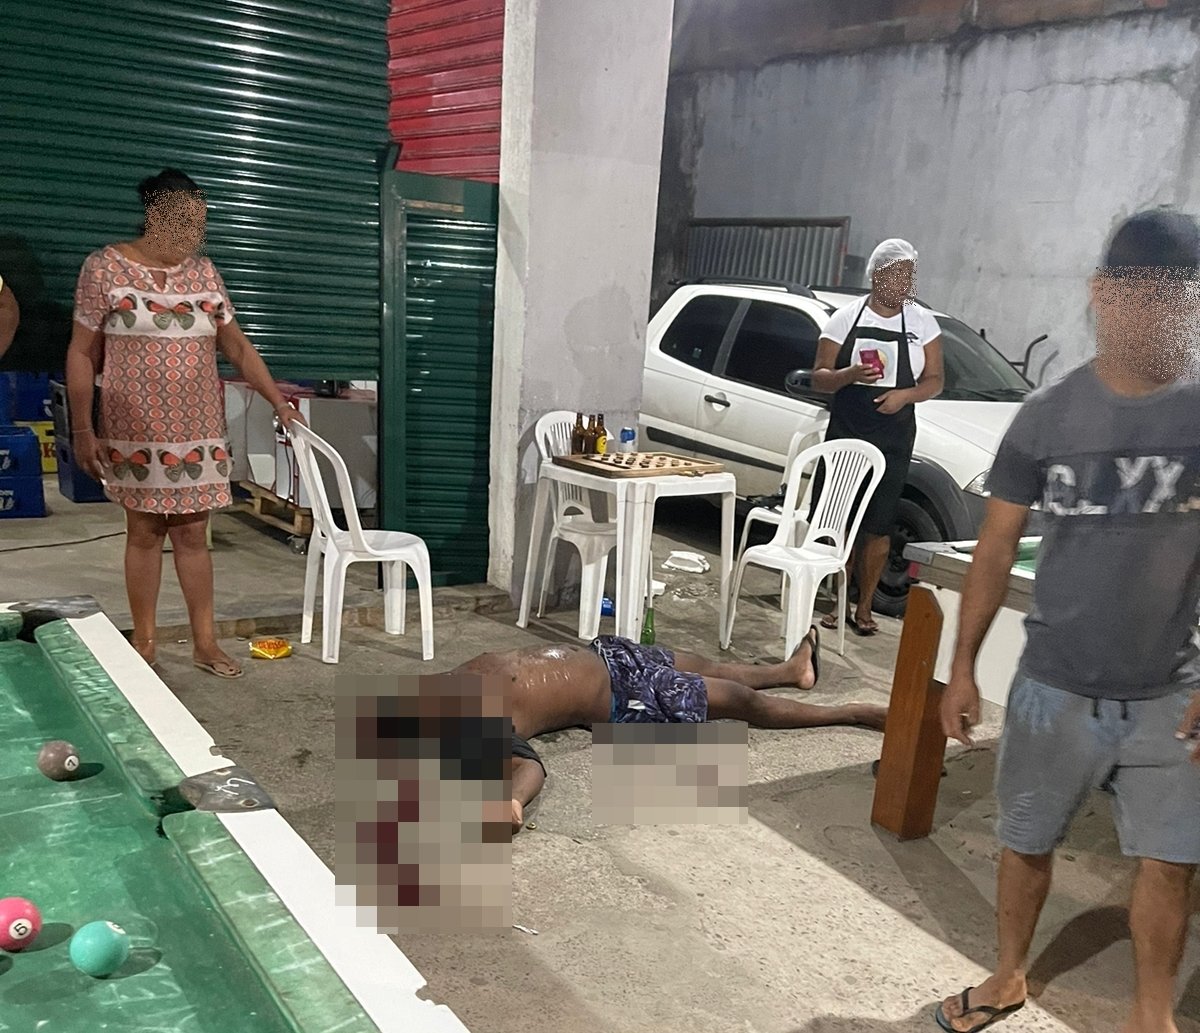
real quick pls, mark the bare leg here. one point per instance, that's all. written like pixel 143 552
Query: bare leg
pixel 1023 884
pixel 144 537
pixel 873 557
pixel 733 701
pixel 193 564
pixel 1158 919
pixel 795 673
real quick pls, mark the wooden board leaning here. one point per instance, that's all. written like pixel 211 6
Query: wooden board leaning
pixel 639 464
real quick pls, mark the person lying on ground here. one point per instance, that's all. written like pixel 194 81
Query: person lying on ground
pixel 552 688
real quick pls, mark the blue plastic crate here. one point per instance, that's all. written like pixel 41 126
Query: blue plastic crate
pixel 22 498
pixel 73 483
pixel 27 396
pixel 20 452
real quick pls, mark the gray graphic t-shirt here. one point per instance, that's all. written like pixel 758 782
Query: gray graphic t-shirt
pixel 1118 577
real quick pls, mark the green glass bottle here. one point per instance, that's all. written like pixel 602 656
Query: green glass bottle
pixel 648 628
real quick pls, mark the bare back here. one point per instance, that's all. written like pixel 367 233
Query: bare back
pixel 550 687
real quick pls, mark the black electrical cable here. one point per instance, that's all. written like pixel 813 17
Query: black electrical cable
pixel 56 545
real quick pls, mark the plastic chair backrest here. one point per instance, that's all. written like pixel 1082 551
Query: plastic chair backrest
pixel 553 436
pixel 308 446
pixel 849 464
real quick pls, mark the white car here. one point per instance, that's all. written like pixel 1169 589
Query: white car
pixel 718 360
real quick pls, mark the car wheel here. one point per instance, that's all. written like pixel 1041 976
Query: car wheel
pixel 913 524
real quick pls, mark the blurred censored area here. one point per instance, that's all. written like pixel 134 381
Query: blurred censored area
pixel 670 774
pixel 424 771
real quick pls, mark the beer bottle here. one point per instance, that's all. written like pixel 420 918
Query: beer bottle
pixel 601 436
pixel 648 626
pixel 577 435
pixel 589 437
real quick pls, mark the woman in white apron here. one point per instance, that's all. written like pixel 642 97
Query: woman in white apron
pixel 878 357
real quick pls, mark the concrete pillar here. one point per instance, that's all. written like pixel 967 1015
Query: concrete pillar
pixel 584 97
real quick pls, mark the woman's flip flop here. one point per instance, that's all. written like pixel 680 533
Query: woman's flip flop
pixel 230 669
pixel 990 1015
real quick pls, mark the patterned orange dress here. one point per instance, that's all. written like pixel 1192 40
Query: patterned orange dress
pixel 162 404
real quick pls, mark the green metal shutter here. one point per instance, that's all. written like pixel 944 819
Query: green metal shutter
pixel 435 424
pixel 278 108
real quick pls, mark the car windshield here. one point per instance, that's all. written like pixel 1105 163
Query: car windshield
pixel 975 371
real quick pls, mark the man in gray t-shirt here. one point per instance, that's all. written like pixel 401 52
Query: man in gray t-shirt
pixel 1109 682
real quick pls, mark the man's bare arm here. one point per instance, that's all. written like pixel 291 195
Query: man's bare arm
pixel 10 318
pixel 987 581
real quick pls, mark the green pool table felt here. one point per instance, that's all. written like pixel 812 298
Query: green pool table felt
pixel 114 846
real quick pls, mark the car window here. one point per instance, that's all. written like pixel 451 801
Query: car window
pixel 695 335
pixel 773 341
pixel 974 369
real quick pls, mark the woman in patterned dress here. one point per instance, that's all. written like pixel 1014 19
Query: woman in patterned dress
pixel 150 315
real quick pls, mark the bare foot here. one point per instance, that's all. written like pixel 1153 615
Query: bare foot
pixel 518 816
pixel 145 649
pixel 869 716
pixel 802 675
pixel 216 661
pixel 994 992
pixel 1138 1024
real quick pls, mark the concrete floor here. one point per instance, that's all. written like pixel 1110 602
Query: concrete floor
pixel 804 919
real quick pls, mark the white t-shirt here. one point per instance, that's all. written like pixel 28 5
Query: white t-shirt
pixel 920 325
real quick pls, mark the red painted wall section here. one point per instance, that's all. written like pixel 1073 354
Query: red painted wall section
pixel 444 68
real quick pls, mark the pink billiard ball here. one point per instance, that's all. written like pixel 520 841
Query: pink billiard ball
pixel 20 922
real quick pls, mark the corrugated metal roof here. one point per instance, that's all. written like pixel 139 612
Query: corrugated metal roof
pixel 278 108
pixel 444 74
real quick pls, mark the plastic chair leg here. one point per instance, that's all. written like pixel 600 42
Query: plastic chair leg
pixel 802 597
pixel 312 570
pixel 843 602
pixel 745 538
pixel 335 594
pixel 591 592
pixel 395 583
pixel 547 573
pixel 734 592
pixel 425 594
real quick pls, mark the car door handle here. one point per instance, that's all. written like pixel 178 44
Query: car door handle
pixel 714 400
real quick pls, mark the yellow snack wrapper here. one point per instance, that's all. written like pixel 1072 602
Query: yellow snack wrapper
pixel 270 648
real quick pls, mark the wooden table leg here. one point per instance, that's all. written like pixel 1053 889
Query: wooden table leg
pixel 914 745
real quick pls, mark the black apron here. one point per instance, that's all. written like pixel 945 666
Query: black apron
pixel 853 412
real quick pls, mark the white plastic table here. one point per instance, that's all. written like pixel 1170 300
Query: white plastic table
pixel 635 500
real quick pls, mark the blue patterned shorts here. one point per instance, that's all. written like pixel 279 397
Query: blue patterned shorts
pixel 646 687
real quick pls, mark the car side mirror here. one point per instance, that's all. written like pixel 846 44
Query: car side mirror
pixel 799 382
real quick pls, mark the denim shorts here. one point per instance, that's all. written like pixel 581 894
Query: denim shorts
pixel 1057 747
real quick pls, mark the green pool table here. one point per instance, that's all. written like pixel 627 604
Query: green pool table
pixel 232 918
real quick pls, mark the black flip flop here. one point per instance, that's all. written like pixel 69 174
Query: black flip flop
pixel 815 633
pixel 990 1015
pixel 859 630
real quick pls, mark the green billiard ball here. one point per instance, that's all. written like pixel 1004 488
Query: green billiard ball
pixel 99 948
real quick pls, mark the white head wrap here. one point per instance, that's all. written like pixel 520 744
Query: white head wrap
pixel 889 252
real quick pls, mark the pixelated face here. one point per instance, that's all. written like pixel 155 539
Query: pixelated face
pixel 176 222
pixel 1146 319
pixel 893 284
pixel 424 811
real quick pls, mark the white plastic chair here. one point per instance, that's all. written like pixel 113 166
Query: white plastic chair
pixel 773 514
pixel 573 523
pixel 849 464
pixel 395 550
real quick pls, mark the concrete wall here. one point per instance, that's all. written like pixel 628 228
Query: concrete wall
pixel 581 147
pixel 1006 161
pixel 719 34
